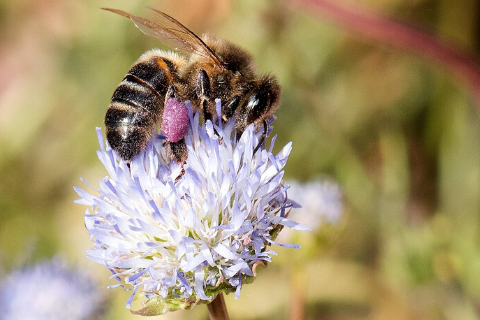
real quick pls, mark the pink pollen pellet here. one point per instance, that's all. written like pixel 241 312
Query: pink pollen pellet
pixel 175 120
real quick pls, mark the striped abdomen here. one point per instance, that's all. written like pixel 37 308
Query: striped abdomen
pixel 137 103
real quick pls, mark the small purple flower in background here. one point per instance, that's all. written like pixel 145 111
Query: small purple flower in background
pixel 50 290
pixel 178 235
pixel 317 204
pixel 320 201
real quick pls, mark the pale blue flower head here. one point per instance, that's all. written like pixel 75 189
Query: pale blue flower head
pixel 178 235
pixel 321 200
pixel 50 290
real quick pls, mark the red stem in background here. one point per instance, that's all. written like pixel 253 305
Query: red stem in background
pixel 386 30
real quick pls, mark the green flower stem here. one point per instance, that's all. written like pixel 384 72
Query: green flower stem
pixel 217 308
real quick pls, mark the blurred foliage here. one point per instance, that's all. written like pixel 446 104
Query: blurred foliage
pixel 399 134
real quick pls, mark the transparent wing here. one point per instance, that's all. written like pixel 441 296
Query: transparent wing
pixel 172 33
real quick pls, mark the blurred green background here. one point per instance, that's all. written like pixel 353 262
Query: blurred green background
pixel 398 132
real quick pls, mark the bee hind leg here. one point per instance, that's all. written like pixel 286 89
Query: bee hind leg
pixel 177 151
pixel 262 139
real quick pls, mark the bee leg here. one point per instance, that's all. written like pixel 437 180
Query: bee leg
pixel 170 94
pixel 264 136
pixel 177 150
pixel 180 175
pixel 202 86
pixel 230 109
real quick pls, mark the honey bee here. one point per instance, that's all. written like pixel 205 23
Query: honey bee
pixel 161 80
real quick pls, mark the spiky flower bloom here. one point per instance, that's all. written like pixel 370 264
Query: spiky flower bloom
pixel 50 290
pixel 321 200
pixel 179 235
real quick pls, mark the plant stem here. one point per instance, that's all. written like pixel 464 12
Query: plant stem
pixel 297 292
pixel 217 308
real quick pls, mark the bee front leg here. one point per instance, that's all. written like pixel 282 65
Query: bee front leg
pixel 264 136
pixel 229 110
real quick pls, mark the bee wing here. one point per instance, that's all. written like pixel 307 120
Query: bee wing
pixel 171 32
